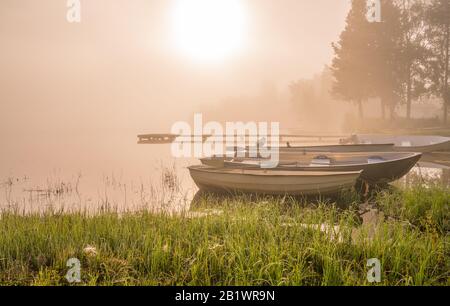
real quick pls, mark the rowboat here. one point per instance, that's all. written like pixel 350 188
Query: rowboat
pixel 415 143
pixel 272 182
pixel 376 167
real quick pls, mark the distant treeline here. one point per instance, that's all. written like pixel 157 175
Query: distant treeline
pixel 400 58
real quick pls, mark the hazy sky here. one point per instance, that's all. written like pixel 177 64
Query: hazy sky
pixel 119 70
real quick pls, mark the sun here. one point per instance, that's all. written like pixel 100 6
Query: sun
pixel 208 29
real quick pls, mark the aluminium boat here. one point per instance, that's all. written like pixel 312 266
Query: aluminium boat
pixel 272 182
pixel 406 143
pixel 376 167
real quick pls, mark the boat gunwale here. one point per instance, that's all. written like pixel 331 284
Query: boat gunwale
pixel 410 155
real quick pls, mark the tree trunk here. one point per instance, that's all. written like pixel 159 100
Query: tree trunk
pixel 360 109
pixel 391 111
pixel 446 90
pixel 445 111
pixel 408 94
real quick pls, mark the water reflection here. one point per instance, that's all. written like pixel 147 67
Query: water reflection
pixel 165 186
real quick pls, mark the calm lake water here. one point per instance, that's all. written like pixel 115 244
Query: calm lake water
pixel 122 175
pixel 133 178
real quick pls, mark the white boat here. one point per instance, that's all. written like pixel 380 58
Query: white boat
pixel 405 143
pixel 272 182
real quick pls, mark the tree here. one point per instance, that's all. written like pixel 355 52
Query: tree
pixel 413 53
pixel 312 98
pixel 386 57
pixel 352 57
pixel 438 36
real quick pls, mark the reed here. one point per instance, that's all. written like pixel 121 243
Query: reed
pixel 235 241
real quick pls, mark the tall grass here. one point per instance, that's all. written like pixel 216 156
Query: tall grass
pixel 234 241
pixel 426 207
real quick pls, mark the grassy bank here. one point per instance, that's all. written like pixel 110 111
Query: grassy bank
pixel 240 241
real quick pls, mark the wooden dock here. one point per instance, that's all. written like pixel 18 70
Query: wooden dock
pixel 172 138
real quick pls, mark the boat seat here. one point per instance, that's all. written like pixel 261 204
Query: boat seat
pixel 321 161
pixel 406 144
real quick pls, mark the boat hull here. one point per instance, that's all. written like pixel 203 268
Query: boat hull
pixel 382 172
pixel 271 182
pixel 421 144
pixel 438 147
